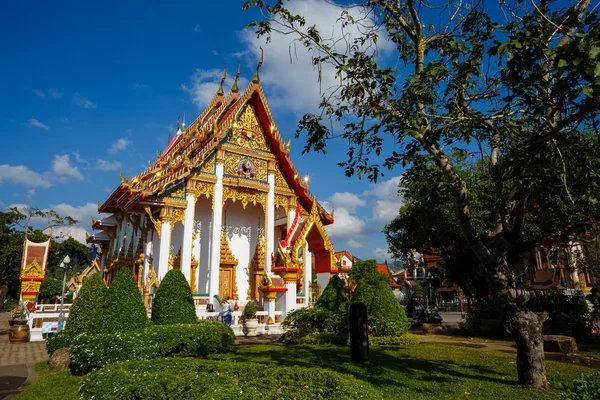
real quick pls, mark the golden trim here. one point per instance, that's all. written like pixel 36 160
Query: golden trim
pixel 244 195
pixel 227 261
pixel 203 188
pixel 156 223
pixel 248 132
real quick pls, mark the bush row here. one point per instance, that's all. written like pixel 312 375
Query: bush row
pixel 183 378
pixel 408 339
pixel 90 352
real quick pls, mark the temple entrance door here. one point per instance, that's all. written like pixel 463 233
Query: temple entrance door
pixel 226 281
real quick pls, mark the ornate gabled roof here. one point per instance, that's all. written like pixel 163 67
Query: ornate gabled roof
pixel 191 149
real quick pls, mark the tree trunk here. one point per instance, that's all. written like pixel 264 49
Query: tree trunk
pixel 528 335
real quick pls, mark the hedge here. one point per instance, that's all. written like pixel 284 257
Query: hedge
pixel 386 315
pixel 87 306
pixel 587 387
pixel 314 325
pixel 183 378
pixel 408 339
pixel 123 308
pixel 90 352
pixel 58 341
pixel 334 297
pixel 173 302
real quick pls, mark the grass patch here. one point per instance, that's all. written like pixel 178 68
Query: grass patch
pixel 426 371
pixel 50 385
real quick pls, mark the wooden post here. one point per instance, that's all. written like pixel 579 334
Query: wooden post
pixel 359 334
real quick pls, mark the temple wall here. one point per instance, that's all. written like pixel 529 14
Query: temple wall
pixel 242 233
pixel 176 238
pixel 203 225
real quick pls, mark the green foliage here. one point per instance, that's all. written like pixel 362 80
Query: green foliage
pixel 408 339
pixel 50 289
pixel 566 315
pixel 9 304
pixel 58 341
pixel 195 379
pixel 123 308
pixel 90 352
pixel 307 325
pixel 386 315
pixel 334 297
pixel 587 387
pixel 173 303
pixel 87 306
pixel 51 385
pixel 417 291
pixel 250 310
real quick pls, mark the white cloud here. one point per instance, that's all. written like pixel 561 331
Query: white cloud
pixel 119 145
pixel 382 253
pixel 386 210
pixel 345 224
pixel 104 165
pixel 83 102
pixel 20 174
pixel 37 124
pixel 385 189
pixel 196 28
pixel 204 84
pixel 63 170
pixel 288 72
pixel 51 94
pixel 79 159
pixel 29 195
pixel 83 215
pixel 347 200
pixel 354 244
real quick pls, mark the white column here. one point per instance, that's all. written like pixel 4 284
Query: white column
pixel 323 280
pixel 290 298
pixel 307 274
pixel 269 306
pixel 147 253
pixel 217 223
pixel 270 216
pixel 165 249
pixel 102 262
pixel 291 214
pixel 188 230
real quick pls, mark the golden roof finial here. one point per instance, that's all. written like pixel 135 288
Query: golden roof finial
pixel 255 78
pixel 220 92
pixel 158 155
pixel 121 177
pixel 234 88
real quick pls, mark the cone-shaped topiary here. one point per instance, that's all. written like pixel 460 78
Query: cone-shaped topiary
pixel 334 297
pixel 123 308
pixel 173 303
pixel 87 306
pixel 386 315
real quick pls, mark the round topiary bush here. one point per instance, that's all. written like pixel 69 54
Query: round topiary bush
pixel 334 297
pixel 173 302
pixel 386 315
pixel 123 308
pixel 87 306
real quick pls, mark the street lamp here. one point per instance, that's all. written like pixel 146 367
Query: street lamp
pixel 61 316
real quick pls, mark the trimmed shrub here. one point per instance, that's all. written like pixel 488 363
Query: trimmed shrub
pixel 58 341
pixel 200 379
pixel 123 308
pixel 305 325
pixel 90 352
pixel 587 387
pixel 174 303
pixel 408 339
pixel 334 297
pixel 87 306
pixel 386 315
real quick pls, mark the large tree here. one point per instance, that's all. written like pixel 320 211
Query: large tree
pixel 522 83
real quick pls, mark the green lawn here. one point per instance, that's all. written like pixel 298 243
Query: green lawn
pixel 426 371
pixel 49 385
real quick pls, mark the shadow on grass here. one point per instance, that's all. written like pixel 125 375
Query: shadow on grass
pixel 387 366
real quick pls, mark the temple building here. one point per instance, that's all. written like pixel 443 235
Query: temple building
pixel 224 204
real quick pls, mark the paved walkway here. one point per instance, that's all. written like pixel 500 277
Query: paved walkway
pixel 17 361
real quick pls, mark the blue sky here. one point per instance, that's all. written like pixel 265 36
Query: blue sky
pixel 89 89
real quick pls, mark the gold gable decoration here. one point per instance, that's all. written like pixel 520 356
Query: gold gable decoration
pixel 256 269
pixel 227 257
pixel 33 270
pixel 247 132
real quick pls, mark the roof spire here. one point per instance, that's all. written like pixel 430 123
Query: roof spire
pixel 220 92
pixel 234 88
pixel 255 78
